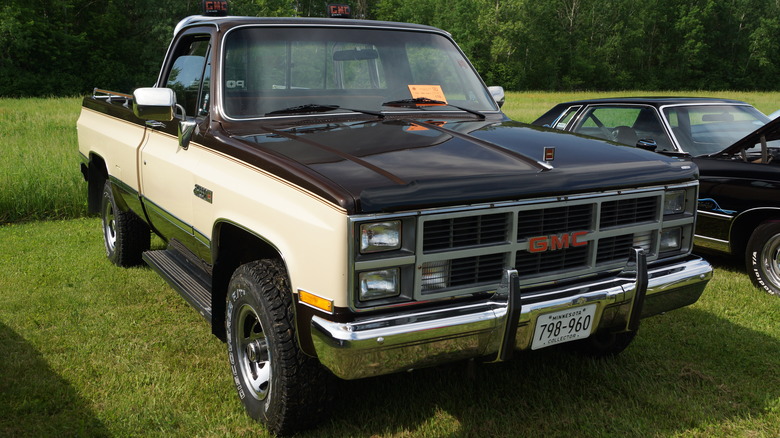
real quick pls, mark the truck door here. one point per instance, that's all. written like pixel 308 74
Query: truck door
pixel 168 169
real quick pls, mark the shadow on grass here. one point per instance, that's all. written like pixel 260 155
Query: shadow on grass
pixel 35 400
pixel 687 370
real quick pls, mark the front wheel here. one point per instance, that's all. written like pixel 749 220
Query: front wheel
pixel 279 385
pixel 762 257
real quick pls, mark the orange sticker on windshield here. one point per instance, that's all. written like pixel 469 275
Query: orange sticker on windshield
pixel 433 92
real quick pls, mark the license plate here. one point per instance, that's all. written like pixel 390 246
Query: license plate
pixel 563 326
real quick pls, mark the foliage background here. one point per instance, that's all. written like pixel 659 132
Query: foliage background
pixel 67 47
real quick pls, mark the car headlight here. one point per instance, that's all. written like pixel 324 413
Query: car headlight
pixel 674 202
pixel 671 239
pixel 384 283
pixel 380 236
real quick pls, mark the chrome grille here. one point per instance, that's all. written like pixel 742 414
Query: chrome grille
pixel 529 263
pixel 465 231
pixel 554 220
pixel 462 272
pixel 628 211
pixel 462 251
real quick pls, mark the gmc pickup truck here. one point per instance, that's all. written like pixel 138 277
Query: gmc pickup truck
pixel 345 198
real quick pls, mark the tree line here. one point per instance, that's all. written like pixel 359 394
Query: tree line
pixel 67 47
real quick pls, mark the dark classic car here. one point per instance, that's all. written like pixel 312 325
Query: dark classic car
pixel 731 142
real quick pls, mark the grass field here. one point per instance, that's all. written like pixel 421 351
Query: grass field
pixel 89 349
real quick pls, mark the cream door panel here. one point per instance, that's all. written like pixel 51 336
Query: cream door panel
pixel 167 184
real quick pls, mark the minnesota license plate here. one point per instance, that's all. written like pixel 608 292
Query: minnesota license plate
pixel 563 326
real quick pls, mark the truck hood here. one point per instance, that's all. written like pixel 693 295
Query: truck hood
pixel 402 164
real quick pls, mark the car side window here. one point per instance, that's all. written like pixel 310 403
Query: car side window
pixel 189 74
pixel 624 124
pixel 566 117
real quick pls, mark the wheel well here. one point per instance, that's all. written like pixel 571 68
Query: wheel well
pixel 97 174
pixel 235 246
pixel 743 228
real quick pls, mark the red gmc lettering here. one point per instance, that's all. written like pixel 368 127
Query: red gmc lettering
pixel 556 241
pixel 216 6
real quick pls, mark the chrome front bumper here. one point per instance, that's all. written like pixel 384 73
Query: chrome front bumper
pixel 493 328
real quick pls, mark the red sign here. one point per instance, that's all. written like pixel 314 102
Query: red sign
pixel 339 11
pixel 215 8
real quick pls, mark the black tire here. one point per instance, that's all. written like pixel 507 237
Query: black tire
pixel 280 386
pixel 604 344
pixel 125 235
pixel 762 257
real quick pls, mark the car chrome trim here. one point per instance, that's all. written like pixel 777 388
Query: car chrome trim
pixel 712 244
pixel 385 344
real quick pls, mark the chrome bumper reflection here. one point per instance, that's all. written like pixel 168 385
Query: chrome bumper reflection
pixel 389 344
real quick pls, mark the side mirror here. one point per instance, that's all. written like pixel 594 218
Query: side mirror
pixel 498 95
pixel 647 144
pixel 154 104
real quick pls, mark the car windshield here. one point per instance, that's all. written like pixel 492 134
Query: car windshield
pixel 708 129
pixel 272 72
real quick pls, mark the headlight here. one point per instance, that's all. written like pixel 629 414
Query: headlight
pixel 674 202
pixel 379 284
pixel 380 236
pixel 671 239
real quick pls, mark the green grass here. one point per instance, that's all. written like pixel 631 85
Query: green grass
pixel 89 349
pixel 39 169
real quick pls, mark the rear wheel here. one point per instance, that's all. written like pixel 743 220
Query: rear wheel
pixel 125 235
pixel 279 385
pixel 762 257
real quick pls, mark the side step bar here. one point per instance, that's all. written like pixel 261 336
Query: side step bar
pixel 174 268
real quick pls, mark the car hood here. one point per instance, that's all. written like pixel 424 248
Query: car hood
pixel 770 131
pixel 402 164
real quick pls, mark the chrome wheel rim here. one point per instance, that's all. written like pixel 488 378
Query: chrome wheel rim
pixel 770 260
pixel 109 227
pixel 254 358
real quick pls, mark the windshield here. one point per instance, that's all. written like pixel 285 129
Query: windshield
pixel 708 129
pixel 310 70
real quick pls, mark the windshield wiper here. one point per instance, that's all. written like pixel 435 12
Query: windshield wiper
pixel 313 108
pixel 309 108
pixel 424 101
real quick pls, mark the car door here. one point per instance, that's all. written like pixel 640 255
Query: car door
pixel 168 167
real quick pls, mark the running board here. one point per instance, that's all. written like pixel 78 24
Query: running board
pixel 174 268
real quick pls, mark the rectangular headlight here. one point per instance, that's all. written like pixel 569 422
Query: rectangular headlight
pixel 384 283
pixel 674 202
pixel 671 239
pixel 380 236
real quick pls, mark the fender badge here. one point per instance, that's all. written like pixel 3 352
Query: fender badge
pixel 203 193
pixel 549 153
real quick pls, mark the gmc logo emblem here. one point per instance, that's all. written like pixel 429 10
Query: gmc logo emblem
pixel 557 241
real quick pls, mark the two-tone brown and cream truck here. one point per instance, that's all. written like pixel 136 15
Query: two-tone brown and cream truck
pixel 345 197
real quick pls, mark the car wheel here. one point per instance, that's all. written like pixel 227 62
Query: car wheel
pixel 125 235
pixel 279 385
pixel 604 344
pixel 762 257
